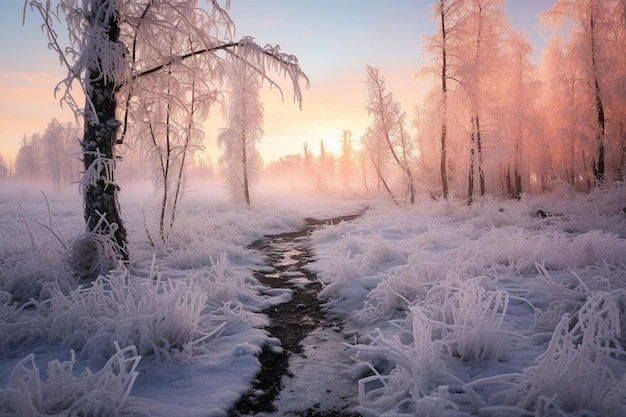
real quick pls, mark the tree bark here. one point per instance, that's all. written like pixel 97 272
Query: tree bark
pixel 479 151
pixel 599 172
pixel 444 90
pixel 470 173
pixel 100 192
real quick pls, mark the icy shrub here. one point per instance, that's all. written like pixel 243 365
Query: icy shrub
pixel 467 319
pixel 37 270
pixel 16 327
pixel 62 393
pixel 161 317
pixel 411 386
pixel 582 368
pixel 91 254
pixel 36 276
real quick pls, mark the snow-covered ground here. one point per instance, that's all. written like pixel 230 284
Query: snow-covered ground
pixel 449 309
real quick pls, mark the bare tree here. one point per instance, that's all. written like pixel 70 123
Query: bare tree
pixel 388 128
pixel 240 159
pixel 110 52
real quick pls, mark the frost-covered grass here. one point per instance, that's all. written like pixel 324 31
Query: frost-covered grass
pixel 451 310
pixel 130 340
pixel 485 310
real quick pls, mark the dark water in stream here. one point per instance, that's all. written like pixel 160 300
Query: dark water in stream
pixel 287 256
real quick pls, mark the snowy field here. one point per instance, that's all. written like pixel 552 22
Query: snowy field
pixel 450 310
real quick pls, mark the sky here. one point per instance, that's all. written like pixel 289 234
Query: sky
pixel 333 41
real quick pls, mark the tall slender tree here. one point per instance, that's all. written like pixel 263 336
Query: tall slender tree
pixel 446 14
pixel 240 158
pixel 345 158
pixel 388 129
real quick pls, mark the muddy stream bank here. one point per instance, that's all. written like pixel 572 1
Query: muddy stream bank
pixel 287 256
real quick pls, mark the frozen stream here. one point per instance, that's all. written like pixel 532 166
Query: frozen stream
pixel 309 375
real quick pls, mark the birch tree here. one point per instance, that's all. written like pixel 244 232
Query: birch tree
pixel 114 44
pixel 446 14
pixel 389 129
pixel 481 60
pixel 521 124
pixel 240 159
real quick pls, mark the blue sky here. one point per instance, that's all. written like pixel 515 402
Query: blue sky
pixel 333 39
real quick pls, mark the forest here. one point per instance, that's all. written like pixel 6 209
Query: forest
pixel 494 123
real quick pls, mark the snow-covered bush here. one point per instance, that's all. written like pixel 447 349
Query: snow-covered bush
pixel 410 383
pixel 92 254
pixel 61 392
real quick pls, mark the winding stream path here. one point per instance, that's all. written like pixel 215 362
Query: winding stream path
pixel 313 385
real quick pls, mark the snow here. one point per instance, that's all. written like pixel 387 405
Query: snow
pixel 448 310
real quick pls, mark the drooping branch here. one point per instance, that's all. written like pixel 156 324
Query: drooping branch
pixel 247 49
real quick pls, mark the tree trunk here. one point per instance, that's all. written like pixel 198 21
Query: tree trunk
pixel 479 152
pixel 244 155
pixel 599 172
pixel 470 173
pixel 444 90
pixel 101 207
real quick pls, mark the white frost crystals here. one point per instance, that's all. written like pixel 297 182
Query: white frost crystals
pixel 587 347
pixel 62 393
pixel 487 310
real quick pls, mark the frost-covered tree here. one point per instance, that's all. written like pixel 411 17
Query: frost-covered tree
pixel 594 53
pixel 519 121
pixel 4 168
pixel 28 159
pixel 114 47
pixel 240 160
pixel 444 67
pixel 166 114
pixel 325 168
pixel 345 158
pixel 481 60
pixel 50 155
pixel 479 63
pixel 387 137
pixel 59 143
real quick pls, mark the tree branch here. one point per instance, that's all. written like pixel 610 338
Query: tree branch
pixel 186 56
